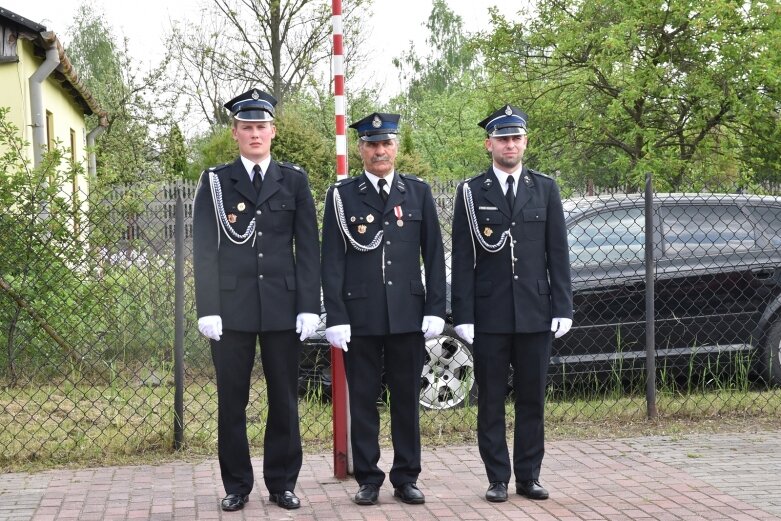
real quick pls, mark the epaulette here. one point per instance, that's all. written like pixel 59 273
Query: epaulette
pixel 540 174
pixel 469 179
pixel 342 182
pixel 291 166
pixel 217 168
pixel 411 177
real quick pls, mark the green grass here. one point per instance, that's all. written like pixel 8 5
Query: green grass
pixel 67 424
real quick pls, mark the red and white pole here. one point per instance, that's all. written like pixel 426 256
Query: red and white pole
pixel 338 380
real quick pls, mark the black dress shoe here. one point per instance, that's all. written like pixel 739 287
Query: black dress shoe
pixel 497 492
pixel 286 499
pixel 531 489
pixel 233 502
pixel 368 494
pixel 409 493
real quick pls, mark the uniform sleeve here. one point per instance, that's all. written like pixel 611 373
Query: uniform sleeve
pixel 433 258
pixel 333 265
pixel 205 251
pixel 557 251
pixel 463 272
pixel 307 251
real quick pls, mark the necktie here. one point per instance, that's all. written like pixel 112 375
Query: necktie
pixel 257 179
pixel 381 185
pixel 510 194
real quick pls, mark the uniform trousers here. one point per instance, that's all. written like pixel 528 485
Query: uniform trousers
pixel 234 356
pixel 401 357
pixel 529 354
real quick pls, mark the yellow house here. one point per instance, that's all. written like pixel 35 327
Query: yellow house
pixel 45 98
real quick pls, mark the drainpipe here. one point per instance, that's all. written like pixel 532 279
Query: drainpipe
pixel 93 134
pixel 36 101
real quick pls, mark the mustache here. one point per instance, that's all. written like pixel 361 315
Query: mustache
pixel 377 159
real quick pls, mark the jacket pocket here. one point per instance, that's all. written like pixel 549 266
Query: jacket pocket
pixel 534 223
pixel 416 287
pixel 543 287
pixel 354 292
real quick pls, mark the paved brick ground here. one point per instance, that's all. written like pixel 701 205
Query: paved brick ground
pixel 712 477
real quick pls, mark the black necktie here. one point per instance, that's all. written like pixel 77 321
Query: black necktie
pixel 510 195
pixel 257 179
pixel 381 185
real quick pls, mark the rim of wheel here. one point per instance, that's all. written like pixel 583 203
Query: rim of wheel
pixel 448 373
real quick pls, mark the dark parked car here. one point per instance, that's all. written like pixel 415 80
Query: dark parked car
pixel 717 295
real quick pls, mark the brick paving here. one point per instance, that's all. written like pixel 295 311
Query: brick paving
pixel 713 477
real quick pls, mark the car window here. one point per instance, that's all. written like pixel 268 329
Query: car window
pixel 700 229
pixel 609 237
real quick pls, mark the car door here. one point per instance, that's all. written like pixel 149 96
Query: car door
pixel 707 280
pixel 607 254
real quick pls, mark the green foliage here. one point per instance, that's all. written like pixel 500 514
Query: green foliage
pixel 128 150
pixel 684 89
pixel 174 156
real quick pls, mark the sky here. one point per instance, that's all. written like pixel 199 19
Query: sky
pixel 393 25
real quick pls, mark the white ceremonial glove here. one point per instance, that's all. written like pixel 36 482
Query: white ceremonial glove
pixel 560 326
pixel 432 326
pixel 210 326
pixel 338 336
pixel 306 324
pixel 467 332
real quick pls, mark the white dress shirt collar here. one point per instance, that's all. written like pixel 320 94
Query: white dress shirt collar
pixel 375 179
pixel 502 176
pixel 250 165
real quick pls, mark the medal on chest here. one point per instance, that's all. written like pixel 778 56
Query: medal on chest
pixel 398 213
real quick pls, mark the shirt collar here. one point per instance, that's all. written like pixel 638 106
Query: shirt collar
pixel 502 176
pixel 375 179
pixel 250 165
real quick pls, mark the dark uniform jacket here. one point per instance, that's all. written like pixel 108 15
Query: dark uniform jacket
pixel 487 292
pixel 354 292
pixel 261 286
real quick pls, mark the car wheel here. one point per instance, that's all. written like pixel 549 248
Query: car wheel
pixel 448 378
pixel 771 358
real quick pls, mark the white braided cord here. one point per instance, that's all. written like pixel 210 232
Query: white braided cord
pixel 472 217
pixel 339 208
pixel 222 218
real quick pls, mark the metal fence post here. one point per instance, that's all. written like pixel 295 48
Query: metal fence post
pixel 650 276
pixel 179 318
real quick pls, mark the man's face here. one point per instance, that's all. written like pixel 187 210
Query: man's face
pixel 378 156
pixel 507 151
pixel 254 138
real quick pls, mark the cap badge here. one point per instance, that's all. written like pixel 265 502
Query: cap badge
pixel 376 122
pixel 255 95
pixel 508 111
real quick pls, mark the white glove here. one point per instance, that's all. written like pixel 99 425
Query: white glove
pixel 210 326
pixel 306 324
pixel 432 326
pixel 560 326
pixel 338 336
pixel 466 331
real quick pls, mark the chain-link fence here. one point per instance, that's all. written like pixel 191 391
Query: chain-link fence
pixel 88 323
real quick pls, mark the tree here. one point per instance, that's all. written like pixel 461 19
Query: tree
pixel 127 151
pixel 443 102
pixel 281 46
pixel 616 89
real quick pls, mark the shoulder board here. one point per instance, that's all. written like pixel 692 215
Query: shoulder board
pixel 539 174
pixel 291 166
pixel 411 177
pixel 343 182
pixel 217 168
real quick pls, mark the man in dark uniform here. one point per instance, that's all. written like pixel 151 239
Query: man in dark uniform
pixel 376 228
pixel 257 265
pixel 511 289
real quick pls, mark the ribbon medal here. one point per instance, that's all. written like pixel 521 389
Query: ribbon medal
pixel 397 211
